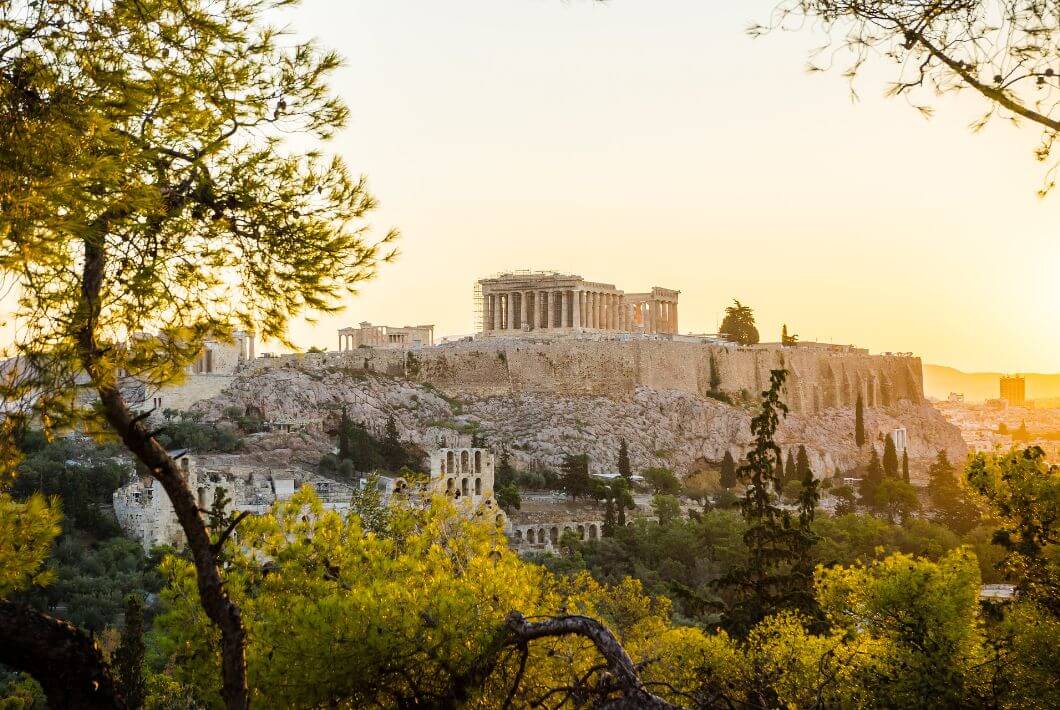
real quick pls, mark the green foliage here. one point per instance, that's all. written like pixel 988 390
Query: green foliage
pixel 128 659
pixel 778 573
pixel 905 465
pixel 788 473
pixel 895 498
pixel 91 580
pixel 663 481
pixel 27 531
pixel 417 611
pixel 951 502
pixel 82 475
pixel 786 339
pixel 508 497
pixel 666 508
pixel 871 481
pixel 1024 491
pixel 186 430
pixel 890 457
pixel 738 325
pixel 367 504
pixel 575 479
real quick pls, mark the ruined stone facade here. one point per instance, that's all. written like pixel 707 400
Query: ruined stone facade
pixel 554 303
pixel 145 513
pixel 466 477
pixel 386 336
pixel 212 371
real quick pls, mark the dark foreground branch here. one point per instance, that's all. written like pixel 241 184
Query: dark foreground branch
pixel 624 682
pixel 63 659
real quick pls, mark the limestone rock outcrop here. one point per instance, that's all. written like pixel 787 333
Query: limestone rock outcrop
pixel 546 400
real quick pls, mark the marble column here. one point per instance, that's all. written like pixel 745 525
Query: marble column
pixel 612 312
pixel 524 310
pixel 675 318
pixel 576 309
pixel 593 309
pixel 511 309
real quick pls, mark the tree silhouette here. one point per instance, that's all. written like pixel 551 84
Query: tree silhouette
pixel 859 422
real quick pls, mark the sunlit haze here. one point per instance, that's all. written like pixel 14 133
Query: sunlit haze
pixel 645 143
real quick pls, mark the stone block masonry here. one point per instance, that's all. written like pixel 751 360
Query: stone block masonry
pixel 818 379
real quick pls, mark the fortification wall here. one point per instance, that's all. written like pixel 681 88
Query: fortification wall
pixel 818 379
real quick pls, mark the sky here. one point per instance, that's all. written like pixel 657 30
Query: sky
pixel 655 143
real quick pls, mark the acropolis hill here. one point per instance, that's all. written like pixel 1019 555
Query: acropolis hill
pixel 562 365
pixel 543 398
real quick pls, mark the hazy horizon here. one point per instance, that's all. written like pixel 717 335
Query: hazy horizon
pixel 656 144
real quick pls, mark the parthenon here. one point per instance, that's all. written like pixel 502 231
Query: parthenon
pixel 550 302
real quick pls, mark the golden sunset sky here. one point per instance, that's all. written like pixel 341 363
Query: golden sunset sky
pixel 654 143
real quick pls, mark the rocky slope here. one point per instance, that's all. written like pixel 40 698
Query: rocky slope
pixel 663 427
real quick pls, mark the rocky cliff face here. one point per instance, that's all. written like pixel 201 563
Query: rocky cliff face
pixel 545 401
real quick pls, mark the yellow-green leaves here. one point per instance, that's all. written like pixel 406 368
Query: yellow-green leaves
pixel 27 531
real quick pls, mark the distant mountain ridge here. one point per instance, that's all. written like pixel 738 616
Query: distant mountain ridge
pixel 940 380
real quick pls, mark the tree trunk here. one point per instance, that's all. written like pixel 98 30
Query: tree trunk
pixel 63 659
pixel 212 595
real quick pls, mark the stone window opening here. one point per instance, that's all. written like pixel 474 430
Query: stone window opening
pixel 465 463
pixel 478 462
pixel 530 536
pixel 464 486
pixel 478 486
pixel 553 535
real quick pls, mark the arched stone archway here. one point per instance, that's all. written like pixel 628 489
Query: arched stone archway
pixel 592 532
pixel 530 536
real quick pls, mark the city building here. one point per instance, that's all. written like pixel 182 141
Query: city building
pixel 386 337
pixel 545 302
pixel 1014 390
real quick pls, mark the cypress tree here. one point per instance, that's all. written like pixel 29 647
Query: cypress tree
pixel 129 656
pixel 609 518
pixel 871 481
pixel 790 472
pixel 728 471
pixel 623 460
pixel 859 422
pixel 905 465
pixel 802 466
pixel 890 457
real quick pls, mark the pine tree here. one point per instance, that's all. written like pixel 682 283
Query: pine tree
pixel 344 435
pixel 905 465
pixel 728 471
pixel 129 656
pixel 890 457
pixel 859 422
pixel 802 465
pixel 623 461
pixel 778 573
